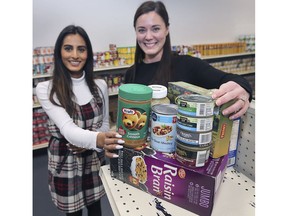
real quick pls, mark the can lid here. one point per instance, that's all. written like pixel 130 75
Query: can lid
pixel 159 91
pixel 195 98
pixel 164 109
pixel 132 91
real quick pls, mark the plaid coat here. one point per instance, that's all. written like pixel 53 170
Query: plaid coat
pixel 73 179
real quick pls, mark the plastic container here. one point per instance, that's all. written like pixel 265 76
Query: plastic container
pixel 134 106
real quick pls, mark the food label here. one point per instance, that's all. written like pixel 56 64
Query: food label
pixel 163 132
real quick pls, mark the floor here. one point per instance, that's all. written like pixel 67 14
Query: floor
pixel 42 203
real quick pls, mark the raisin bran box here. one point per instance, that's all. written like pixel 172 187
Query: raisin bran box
pixel 161 175
pixel 222 125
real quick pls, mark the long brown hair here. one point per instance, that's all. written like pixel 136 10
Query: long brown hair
pixel 62 82
pixel 163 74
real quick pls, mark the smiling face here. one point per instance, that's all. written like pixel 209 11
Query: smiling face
pixel 74 54
pixel 151 35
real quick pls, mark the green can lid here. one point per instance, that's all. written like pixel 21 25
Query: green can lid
pixel 136 92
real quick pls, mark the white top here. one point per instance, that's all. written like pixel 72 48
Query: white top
pixel 72 133
pixel 159 91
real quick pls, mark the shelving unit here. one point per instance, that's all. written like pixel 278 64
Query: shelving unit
pixel 228 56
pixel 236 195
pixel 122 69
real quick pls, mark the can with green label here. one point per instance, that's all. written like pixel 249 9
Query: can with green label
pixel 134 106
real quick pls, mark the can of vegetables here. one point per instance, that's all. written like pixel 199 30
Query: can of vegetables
pixel 163 127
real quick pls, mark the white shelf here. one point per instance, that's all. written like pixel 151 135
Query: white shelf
pixel 95 70
pixel 112 68
pixel 228 55
pixel 39 146
pixel 236 196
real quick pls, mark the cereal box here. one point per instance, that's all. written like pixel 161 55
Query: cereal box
pixel 161 175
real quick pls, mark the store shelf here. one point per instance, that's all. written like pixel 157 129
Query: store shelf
pixel 236 196
pixel 112 68
pixel 127 66
pixel 245 72
pixel 228 55
pixel 95 70
pixel 39 146
pixel 36 106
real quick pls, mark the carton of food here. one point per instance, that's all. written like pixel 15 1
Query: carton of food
pixel 161 175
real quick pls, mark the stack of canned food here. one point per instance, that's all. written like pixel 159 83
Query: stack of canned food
pixel 194 129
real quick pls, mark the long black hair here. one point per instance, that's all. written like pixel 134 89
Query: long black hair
pixel 62 82
pixel 163 74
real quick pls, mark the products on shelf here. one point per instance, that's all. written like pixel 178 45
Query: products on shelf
pixel 43 60
pixel 242 65
pixel 249 39
pixel 200 50
pixel 114 81
pixel 127 53
pixel 40 130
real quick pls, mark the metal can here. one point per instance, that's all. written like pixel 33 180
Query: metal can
pixel 192 156
pixel 200 139
pixel 163 127
pixel 197 124
pixel 195 105
pixel 134 106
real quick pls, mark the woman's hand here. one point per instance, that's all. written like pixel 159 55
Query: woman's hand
pixel 229 91
pixel 109 141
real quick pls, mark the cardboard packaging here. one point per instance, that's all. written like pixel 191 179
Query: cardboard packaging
pixel 233 146
pixel 161 175
pixel 222 125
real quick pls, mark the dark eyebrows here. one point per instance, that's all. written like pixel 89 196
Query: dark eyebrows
pixel 85 47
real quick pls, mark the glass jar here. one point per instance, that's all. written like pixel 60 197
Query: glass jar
pixel 159 95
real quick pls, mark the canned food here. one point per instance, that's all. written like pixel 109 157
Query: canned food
pixel 191 156
pixel 195 105
pixel 197 124
pixel 134 105
pixel 194 138
pixel 163 127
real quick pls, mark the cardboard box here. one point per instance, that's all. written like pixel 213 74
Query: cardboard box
pixel 161 175
pixel 234 142
pixel 221 132
pixel 178 88
pixel 222 125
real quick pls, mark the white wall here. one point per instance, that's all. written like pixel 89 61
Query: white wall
pixel 111 21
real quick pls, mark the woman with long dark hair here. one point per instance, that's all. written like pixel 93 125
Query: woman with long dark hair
pixel 77 106
pixel 156 64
